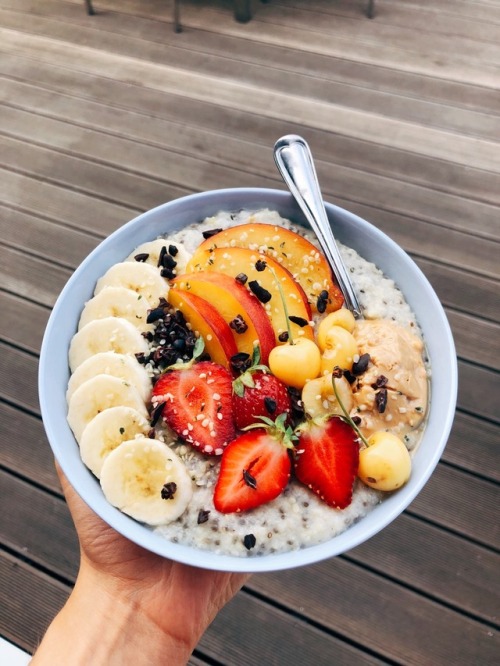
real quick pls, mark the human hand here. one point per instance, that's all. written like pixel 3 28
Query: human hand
pixel 155 604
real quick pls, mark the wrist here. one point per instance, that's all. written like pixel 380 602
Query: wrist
pixel 99 624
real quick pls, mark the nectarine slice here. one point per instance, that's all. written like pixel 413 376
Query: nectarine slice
pixel 255 267
pixel 240 309
pixel 204 319
pixel 304 261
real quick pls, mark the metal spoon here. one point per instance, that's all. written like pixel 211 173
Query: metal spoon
pixel 295 163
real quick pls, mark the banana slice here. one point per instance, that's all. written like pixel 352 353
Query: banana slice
pixel 142 278
pixel 110 363
pixel 319 398
pixel 154 249
pixel 108 430
pixel 97 394
pixel 145 479
pixel 117 302
pixel 107 334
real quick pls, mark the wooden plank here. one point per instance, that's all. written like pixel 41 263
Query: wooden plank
pixel 425 559
pixel 30 600
pixel 23 392
pixel 469 293
pixel 22 323
pixel 330 117
pixel 123 183
pixel 473 446
pixel 435 242
pixel 314 84
pixel 49 538
pixel 396 622
pixel 357 40
pixel 147 168
pixel 190 126
pixel 43 515
pixel 21 275
pixel 77 210
pixel 422 239
pixel 39 525
pixel 471 396
pixel 350 44
pixel 463 503
pixel 476 340
pixel 409 551
pixel 38 237
pixel 24 448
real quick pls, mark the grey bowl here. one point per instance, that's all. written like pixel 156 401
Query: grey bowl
pixel 351 230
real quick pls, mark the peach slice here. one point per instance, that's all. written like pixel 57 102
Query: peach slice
pixel 240 309
pixel 207 322
pixel 304 261
pixel 236 261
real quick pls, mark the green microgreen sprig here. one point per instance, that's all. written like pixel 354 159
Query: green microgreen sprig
pixel 336 374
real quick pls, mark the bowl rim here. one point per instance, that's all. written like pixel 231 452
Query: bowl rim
pixel 86 485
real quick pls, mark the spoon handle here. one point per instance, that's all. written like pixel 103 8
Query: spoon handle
pixel 295 163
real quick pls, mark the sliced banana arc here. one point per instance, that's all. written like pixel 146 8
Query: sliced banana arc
pixel 134 475
pixel 140 277
pixel 117 302
pixel 106 431
pixel 111 363
pixel 97 394
pixel 107 334
pixel 154 249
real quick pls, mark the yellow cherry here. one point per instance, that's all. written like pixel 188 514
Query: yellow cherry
pixel 386 463
pixel 343 318
pixel 295 363
pixel 318 396
pixel 340 348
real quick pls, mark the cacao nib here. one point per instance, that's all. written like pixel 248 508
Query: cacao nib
pixel 163 252
pixel 260 265
pixel 168 491
pixel 167 273
pixel 381 400
pixel 203 515
pixel 300 321
pixel 380 382
pixel 361 365
pixel 210 232
pixel 249 541
pixel 168 261
pixel 154 315
pixel 297 404
pixel 262 294
pixel 142 256
pixel 241 278
pixel 238 324
pixel 156 413
pixel 241 362
pixel 322 301
pixel 173 250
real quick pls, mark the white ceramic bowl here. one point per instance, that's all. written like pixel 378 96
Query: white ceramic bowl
pixel 370 243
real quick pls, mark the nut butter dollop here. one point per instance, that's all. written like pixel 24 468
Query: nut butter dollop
pixel 393 391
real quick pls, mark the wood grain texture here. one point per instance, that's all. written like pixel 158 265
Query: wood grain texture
pixel 105 116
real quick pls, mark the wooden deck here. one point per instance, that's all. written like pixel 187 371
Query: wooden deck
pixel 103 117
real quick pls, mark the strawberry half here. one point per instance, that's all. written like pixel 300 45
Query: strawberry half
pixel 327 460
pixel 197 405
pixel 255 468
